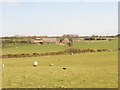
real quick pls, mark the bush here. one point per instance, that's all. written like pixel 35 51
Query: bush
pixel 72 50
pixel 101 50
pixel 89 38
pixel 92 38
pixel 36 54
pixel 70 44
pixel 9 55
pixel 88 50
pixel 98 39
pixel 103 38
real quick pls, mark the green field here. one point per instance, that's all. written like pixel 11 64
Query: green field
pixel 112 45
pixel 83 71
pixel 30 48
pixel 90 70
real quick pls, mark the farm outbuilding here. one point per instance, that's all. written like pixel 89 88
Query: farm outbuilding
pixel 45 40
pixel 66 41
pixel 49 40
pixel 38 41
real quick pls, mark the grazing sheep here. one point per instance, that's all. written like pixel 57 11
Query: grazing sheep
pixel 64 68
pixel 51 64
pixel 110 50
pixel 59 58
pixel 35 63
pixel 71 53
pixel 3 65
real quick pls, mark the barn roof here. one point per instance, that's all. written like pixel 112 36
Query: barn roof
pixel 66 40
pixel 49 40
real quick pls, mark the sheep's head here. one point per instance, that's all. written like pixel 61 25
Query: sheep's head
pixel 64 68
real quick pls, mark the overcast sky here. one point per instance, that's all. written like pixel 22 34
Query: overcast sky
pixel 58 18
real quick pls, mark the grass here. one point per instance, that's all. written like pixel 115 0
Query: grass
pixel 30 48
pixel 97 45
pixel 92 70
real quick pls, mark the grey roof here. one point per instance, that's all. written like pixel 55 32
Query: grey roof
pixel 46 40
pixel 51 40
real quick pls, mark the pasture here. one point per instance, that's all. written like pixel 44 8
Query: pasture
pixel 92 70
pixel 31 48
pixel 89 70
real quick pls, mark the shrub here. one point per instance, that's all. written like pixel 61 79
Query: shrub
pixel 103 38
pixel 89 38
pixel 88 50
pixel 92 38
pixel 70 44
pixel 72 50
pixel 98 39
pixel 100 50
pixel 36 54
pixel 9 55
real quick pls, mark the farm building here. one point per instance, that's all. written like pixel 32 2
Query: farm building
pixel 38 41
pixel 66 40
pixel 45 40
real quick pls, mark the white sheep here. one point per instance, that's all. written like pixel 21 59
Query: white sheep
pixel 51 64
pixel 3 65
pixel 35 63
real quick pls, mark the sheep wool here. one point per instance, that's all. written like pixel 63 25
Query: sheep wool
pixel 35 64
